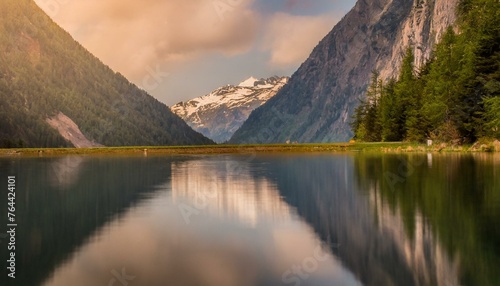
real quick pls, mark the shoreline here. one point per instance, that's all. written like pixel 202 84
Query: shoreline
pixel 396 147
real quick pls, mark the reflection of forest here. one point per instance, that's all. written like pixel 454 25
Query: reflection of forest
pixel 244 234
pixel 452 200
pixel 62 201
pixel 422 253
pixel 436 226
pixel 389 237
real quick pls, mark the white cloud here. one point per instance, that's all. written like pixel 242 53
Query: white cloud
pixel 166 45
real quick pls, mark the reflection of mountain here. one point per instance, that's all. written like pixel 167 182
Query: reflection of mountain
pixel 65 171
pixel 61 201
pixel 372 238
pixel 449 202
pixel 422 253
pixel 245 235
pixel 436 227
pixel 225 188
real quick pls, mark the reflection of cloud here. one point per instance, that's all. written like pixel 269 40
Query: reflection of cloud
pixel 158 250
pixel 290 39
pixel 131 35
pixel 153 244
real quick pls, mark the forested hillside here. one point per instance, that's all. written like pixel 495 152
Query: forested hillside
pixel 43 71
pixel 455 97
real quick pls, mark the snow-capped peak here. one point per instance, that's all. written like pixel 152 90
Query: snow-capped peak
pixel 220 113
pixel 250 82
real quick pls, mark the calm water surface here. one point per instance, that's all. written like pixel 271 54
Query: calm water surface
pixel 256 220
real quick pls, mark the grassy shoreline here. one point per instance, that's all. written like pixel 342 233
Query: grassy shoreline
pixel 397 147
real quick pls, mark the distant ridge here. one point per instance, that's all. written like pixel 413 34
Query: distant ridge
pixel 219 114
pixel 45 72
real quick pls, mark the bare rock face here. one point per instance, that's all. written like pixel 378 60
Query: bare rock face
pixel 422 30
pixel 70 131
pixel 317 104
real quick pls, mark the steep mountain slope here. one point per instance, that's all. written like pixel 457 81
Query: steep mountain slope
pixel 219 114
pixel 44 73
pixel 317 104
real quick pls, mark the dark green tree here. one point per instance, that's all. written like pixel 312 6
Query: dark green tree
pixel 389 113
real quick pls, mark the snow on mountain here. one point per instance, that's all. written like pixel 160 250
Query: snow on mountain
pixel 248 83
pixel 220 113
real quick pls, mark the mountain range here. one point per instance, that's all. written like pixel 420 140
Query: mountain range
pixel 54 93
pixel 318 102
pixel 220 113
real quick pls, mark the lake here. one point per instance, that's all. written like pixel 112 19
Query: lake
pixel 223 220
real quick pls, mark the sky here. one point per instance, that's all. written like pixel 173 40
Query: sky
pixel 182 49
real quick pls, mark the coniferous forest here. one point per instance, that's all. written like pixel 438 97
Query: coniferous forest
pixel 454 97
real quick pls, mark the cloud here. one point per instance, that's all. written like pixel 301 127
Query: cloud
pixel 164 46
pixel 291 38
pixel 130 35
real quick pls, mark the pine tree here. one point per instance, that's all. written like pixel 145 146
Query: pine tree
pixel 389 113
pixel 492 117
pixel 405 94
pixel 357 123
pixel 372 119
pixel 456 94
pixel 440 92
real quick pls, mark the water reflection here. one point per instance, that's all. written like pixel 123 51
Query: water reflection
pixel 243 235
pixel 225 188
pixel 59 211
pixel 387 235
pixel 428 261
pixel 64 172
pixel 449 211
pixel 272 220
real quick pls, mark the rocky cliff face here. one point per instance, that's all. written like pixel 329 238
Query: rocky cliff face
pixel 317 104
pixel 427 22
pixel 219 114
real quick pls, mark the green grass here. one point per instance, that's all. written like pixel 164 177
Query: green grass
pixel 391 147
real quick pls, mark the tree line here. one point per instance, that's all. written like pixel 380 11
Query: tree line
pixel 453 97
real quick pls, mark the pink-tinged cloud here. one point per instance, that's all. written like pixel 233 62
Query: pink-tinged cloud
pixel 290 38
pixel 131 35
